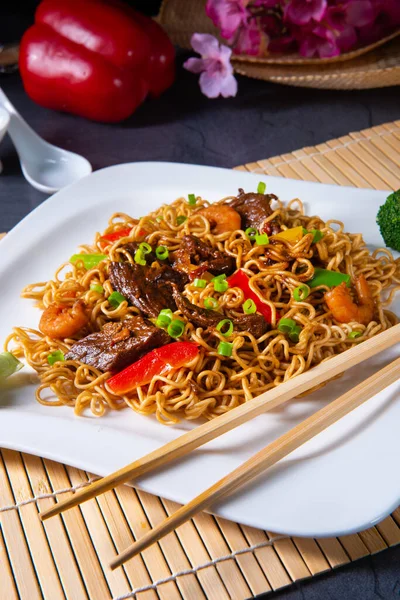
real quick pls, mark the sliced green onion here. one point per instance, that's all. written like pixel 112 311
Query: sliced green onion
pixel 162 321
pixel 301 292
pixel 162 252
pixel 251 233
pixel 225 327
pixel 140 257
pixel 200 283
pixel 262 239
pixel 249 307
pixel 225 349
pixel 286 325
pixel 96 287
pixel 159 219
pixel 168 312
pixel 176 328
pixel 219 278
pixel 294 334
pixel 164 318
pixel 318 235
pixel 145 248
pixel 354 334
pixel 221 285
pixel 115 299
pixel 9 364
pixel 261 187
pixel 181 219
pixel 89 260
pixel 55 356
pixel 210 303
pixel 192 199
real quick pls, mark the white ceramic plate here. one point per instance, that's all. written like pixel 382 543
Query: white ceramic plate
pixel 343 481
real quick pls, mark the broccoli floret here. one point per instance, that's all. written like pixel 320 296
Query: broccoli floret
pixel 388 219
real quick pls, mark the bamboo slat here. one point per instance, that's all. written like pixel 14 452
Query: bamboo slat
pixel 9 589
pixel 15 543
pixel 248 563
pixel 121 536
pixel 197 554
pixel 67 557
pixel 154 559
pixel 172 549
pixel 267 557
pixel 57 537
pixel 216 545
pixel 84 551
pixel 34 532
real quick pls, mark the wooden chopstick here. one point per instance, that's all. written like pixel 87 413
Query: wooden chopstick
pixel 267 457
pixel 212 429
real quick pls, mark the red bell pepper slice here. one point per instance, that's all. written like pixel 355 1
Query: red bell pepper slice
pixel 157 362
pixel 241 280
pixel 116 235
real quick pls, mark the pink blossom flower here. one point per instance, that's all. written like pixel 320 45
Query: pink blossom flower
pixel 315 28
pixel 302 12
pixel 319 42
pixel 227 15
pixel 336 16
pixel 214 65
pixel 360 13
pixel 391 11
pixel 252 40
pixel 267 3
pixel 272 25
pixel 347 38
pixel 285 43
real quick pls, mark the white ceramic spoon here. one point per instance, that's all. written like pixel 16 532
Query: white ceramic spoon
pixel 46 167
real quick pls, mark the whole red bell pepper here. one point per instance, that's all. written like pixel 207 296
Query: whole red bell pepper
pixel 157 362
pixel 95 58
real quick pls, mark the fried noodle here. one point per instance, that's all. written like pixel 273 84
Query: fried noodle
pixel 212 385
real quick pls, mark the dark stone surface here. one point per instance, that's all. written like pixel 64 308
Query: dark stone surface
pixel 184 126
pixel 373 578
pixel 262 121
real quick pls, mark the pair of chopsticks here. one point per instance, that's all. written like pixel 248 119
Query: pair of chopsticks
pixel 263 459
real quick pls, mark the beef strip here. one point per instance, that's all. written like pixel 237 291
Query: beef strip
pixel 201 317
pixel 195 252
pixel 118 344
pixel 254 209
pixel 167 276
pixel 147 289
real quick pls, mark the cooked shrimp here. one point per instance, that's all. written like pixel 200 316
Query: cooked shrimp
pixel 59 321
pixel 343 307
pixel 222 218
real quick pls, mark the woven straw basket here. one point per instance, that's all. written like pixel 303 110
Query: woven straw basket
pixel 373 66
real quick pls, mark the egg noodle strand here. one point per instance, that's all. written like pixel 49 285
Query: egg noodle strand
pixel 211 385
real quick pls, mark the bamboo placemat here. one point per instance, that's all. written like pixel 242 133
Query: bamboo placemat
pixel 207 558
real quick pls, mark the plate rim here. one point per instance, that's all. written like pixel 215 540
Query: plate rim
pixel 43 207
